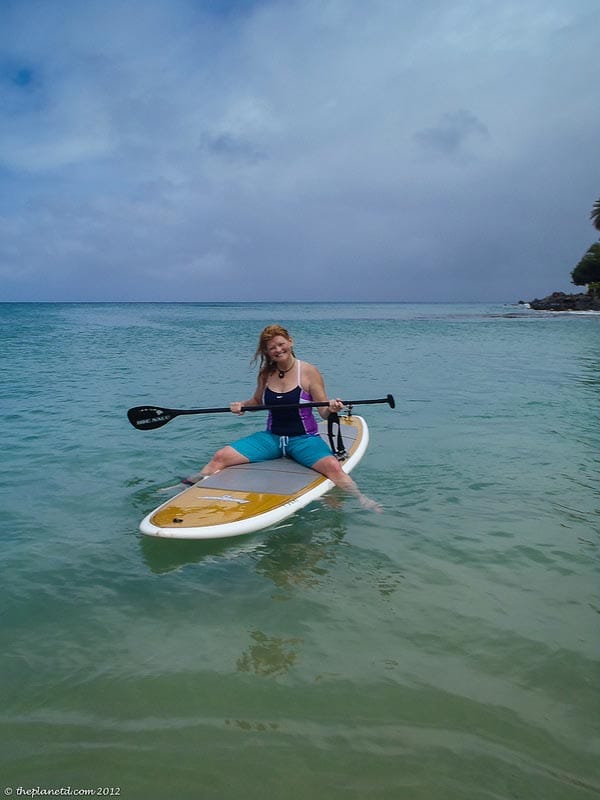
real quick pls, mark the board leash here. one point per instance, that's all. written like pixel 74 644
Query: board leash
pixel 338 449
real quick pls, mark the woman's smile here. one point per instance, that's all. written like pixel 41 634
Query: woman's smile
pixel 279 349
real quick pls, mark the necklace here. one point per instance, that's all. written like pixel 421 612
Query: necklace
pixel 282 372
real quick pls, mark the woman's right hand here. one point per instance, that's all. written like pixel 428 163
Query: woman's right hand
pixel 237 408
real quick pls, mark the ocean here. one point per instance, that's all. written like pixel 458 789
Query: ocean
pixel 445 649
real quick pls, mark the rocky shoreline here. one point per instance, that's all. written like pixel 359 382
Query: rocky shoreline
pixel 559 301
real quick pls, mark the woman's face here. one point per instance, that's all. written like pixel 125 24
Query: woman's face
pixel 279 348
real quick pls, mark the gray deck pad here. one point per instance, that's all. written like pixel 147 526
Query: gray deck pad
pixel 279 476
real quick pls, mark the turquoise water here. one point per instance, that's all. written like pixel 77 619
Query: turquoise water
pixel 446 648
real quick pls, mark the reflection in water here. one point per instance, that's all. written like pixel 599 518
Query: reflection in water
pixel 165 555
pixel 290 555
pixel 269 655
pixel 303 553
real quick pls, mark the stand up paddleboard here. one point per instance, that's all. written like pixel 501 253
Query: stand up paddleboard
pixel 250 497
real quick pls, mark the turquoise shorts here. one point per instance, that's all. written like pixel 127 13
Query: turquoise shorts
pixel 264 446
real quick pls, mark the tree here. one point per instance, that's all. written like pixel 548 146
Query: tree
pixel 588 269
pixel 595 215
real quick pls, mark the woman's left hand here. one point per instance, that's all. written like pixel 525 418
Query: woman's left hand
pixel 335 405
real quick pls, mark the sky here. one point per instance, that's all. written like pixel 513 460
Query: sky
pixel 283 150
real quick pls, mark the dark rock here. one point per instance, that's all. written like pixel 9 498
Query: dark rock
pixel 559 301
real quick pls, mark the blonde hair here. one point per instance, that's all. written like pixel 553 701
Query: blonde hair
pixel 270 332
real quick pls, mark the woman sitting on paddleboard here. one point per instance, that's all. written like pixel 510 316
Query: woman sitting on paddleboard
pixel 284 380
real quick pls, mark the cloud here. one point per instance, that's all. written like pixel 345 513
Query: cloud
pixel 451 137
pixel 298 150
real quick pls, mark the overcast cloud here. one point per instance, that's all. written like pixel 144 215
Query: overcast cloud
pixel 296 149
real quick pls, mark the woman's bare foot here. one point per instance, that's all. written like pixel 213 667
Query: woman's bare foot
pixel 184 483
pixel 370 505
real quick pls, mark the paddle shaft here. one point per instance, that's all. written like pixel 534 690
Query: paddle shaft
pixel 150 417
pixel 311 404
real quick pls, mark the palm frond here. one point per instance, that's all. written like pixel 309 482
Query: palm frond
pixel 595 215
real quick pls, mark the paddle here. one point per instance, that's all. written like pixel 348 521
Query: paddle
pixel 146 418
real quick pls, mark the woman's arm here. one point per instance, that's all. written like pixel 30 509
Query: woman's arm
pixel 316 387
pixel 255 400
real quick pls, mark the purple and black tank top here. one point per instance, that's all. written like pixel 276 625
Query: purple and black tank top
pixel 290 421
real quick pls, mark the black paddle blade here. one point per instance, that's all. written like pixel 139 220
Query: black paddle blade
pixel 391 401
pixel 146 418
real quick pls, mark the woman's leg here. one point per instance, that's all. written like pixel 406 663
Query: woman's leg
pixel 332 469
pixel 259 446
pixel 225 457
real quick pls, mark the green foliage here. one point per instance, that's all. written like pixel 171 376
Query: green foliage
pixel 588 269
pixel 595 215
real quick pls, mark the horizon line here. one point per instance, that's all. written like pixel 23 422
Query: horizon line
pixel 253 302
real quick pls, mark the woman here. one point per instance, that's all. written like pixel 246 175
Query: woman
pixel 283 380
